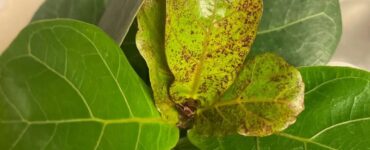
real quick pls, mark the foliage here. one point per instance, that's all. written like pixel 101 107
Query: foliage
pixel 65 84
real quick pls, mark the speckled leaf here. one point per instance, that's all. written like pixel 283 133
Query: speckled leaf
pixel 150 42
pixel 266 98
pixel 336 116
pixel 66 85
pixel 206 44
pixel 304 32
pixel 85 10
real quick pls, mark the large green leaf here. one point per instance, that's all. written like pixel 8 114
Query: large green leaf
pixel 266 98
pixel 85 10
pixel 150 42
pixel 92 11
pixel 337 116
pixel 304 32
pixel 206 44
pixel 66 85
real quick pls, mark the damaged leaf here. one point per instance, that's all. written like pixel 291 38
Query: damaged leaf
pixel 336 116
pixel 206 43
pixel 266 98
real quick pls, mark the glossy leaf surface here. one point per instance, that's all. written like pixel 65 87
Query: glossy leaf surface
pixel 150 42
pixel 85 10
pixel 206 44
pixel 66 85
pixel 91 11
pixel 266 98
pixel 336 116
pixel 304 32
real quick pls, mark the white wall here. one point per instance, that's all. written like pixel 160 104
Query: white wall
pixel 15 15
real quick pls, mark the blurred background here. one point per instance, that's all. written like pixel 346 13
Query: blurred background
pixel 353 50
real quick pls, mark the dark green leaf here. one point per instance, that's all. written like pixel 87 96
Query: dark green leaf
pixel 304 32
pixel 337 116
pixel 206 44
pixel 133 54
pixel 185 144
pixel 266 98
pixel 66 85
pixel 85 10
pixel 118 18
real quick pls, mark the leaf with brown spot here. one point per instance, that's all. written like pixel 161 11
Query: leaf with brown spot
pixel 266 98
pixel 206 43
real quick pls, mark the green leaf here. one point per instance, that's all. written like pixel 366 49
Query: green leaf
pixel 304 32
pixel 337 115
pixel 206 44
pixel 66 85
pixel 91 11
pixel 85 10
pixel 266 98
pixel 150 42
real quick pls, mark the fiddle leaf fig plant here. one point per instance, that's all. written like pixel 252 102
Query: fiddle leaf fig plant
pixel 222 75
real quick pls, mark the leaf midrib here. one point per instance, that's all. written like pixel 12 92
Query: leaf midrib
pixel 81 120
pixel 279 28
pixel 303 140
pixel 330 81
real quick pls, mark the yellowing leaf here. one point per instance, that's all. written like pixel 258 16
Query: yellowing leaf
pixel 265 98
pixel 150 42
pixel 206 42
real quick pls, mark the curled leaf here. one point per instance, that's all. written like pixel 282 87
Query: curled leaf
pixel 150 42
pixel 264 99
pixel 206 43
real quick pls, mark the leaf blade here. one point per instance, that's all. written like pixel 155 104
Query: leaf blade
pixel 330 120
pixel 84 10
pixel 76 90
pixel 118 28
pixel 150 42
pixel 202 62
pixel 266 98
pixel 306 33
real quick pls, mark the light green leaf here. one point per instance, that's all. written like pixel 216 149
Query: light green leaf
pixel 150 42
pixel 266 98
pixel 85 10
pixel 206 44
pixel 304 32
pixel 66 85
pixel 337 116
